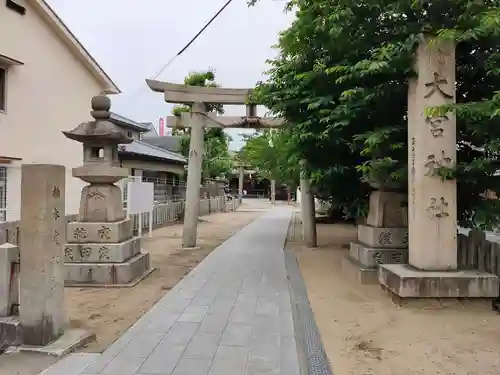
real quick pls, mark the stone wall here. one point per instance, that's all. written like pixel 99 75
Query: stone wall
pixel 478 251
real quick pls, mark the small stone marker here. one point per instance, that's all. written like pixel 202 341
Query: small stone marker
pixel 42 234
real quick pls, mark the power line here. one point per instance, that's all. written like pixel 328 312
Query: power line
pixel 180 52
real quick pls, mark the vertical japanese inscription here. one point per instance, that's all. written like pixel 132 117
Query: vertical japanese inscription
pixel 385 238
pixel 56 215
pixel 56 191
pixel 435 85
pixel 436 122
pixel 433 164
pixel 377 257
pixel 68 254
pixel 438 208
pixel 413 155
pixel 80 234
pixel 57 237
pixel 404 240
pixel 436 125
pixel 396 258
pixel 104 232
pixel 85 252
pixel 104 253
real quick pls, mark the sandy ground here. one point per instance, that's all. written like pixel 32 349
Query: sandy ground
pixel 110 312
pixel 364 332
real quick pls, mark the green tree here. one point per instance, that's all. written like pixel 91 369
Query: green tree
pixel 342 79
pixel 216 158
pixel 270 153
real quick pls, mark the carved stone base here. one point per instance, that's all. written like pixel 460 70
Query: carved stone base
pixel 127 273
pixel 354 270
pixel 82 232
pixel 372 257
pixel 383 237
pixel 101 203
pixel 102 252
pixel 388 209
pixel 407 282
pixel 11 332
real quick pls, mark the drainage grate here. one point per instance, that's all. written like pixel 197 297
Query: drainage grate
pixel 312 356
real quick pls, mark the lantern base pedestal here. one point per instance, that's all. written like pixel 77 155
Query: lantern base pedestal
pixel 404 281
pixel 363 261
pixel 125 274
pixel 354 270
pixel 71 339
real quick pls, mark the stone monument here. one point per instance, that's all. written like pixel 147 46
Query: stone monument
pixel 432 269
pixel 100 248
pixel 42 232
pixel 383 239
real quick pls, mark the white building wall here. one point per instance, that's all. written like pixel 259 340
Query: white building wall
pixel 51 92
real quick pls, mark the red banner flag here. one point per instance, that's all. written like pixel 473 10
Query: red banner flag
pixel 162 127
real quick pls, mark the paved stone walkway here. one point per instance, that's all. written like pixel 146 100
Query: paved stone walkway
pixel 230 316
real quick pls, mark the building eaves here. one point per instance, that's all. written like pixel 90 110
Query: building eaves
pixel 151 127
pixel 127 123
pixel 168 142
pixel 74 45
pixel 142 148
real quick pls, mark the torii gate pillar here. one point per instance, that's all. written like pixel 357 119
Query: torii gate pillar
pixel 240 183
pixel 273 192
pixel 192 207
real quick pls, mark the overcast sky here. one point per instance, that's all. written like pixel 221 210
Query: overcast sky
pixel 133 39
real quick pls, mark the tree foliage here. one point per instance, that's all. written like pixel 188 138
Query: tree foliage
pixel 270 153
pixel 341 78
pixel 216 158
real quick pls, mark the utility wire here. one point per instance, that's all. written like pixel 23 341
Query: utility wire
pixel 130 100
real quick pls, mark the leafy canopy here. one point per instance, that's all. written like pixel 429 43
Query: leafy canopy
pixel 270 153
pixel 341 78
pixel 217 161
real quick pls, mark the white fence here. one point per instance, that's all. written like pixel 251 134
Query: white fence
pixel 163 214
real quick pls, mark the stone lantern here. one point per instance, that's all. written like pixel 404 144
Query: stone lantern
pixel 100 246
pixel 101 200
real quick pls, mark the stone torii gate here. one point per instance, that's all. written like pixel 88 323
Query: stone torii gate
pixel 241 178
pixel 197 120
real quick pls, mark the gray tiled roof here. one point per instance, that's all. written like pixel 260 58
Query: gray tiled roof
pixel 127 123
pixel 168 142
pixel 152 130
pixel 143 148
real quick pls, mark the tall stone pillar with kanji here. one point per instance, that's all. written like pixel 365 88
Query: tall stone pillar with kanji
pixel 432 200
